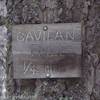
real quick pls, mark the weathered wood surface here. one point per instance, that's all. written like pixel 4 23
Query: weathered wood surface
pixel 52 50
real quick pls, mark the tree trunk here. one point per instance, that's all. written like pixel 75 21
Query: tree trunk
pixel 60 11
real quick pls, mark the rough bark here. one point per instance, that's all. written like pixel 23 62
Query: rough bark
pixel 3 49
pixel 91 47
pixel 61 11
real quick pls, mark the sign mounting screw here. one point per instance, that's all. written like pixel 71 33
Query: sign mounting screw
pixel 45 28
pixel 48 75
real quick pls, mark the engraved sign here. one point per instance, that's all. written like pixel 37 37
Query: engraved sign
pixel 46 51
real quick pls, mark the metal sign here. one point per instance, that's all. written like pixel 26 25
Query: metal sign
pixel 46 51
